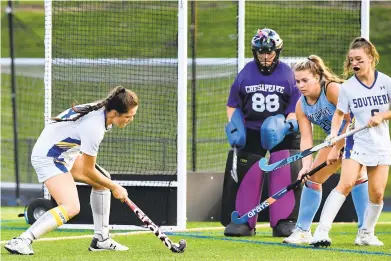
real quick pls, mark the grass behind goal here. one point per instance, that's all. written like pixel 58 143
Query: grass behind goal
pixel 203 244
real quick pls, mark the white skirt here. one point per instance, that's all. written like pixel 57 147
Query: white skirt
pixel 369 160
pixel 47 167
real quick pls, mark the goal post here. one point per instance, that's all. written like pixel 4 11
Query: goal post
pixel 182 113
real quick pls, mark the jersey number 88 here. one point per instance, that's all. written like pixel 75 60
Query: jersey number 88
pixel 262 103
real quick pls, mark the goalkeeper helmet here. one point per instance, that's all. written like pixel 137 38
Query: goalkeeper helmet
pixel 266 41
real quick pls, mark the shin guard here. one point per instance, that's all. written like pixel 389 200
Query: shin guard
pixel 360 199
pixel 286 207
pixel 100 206
pixel 311 198
pixel 49 221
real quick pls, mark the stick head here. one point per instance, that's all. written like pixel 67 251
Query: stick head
pixel 180 247
pixel 235 218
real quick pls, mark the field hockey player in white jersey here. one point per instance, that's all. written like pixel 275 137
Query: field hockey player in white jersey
pixel 66 152
pixel 367 95
pixel 320 88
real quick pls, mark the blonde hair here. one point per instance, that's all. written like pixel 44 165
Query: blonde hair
pixel 370 50
pixel 316 66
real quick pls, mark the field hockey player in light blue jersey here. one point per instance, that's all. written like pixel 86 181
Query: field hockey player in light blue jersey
pixel 320 88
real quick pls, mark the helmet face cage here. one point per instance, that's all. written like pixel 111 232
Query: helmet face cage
pixel 266 41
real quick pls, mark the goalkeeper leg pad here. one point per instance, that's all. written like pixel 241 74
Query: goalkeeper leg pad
pixel 241 196
pixel 284 212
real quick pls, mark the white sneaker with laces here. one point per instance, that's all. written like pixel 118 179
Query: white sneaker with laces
pixel 357 241
pixel 108 244
pixel 20 246
pixel 298 236
pixel 366 238
pixel 321 237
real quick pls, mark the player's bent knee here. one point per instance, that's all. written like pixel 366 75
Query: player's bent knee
pixel 376 197
pixel 72 209
pixel 345 187
pixel 316 179
pixel 322 175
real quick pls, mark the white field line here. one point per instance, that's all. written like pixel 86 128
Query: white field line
pixel 173 231
pixel 131 233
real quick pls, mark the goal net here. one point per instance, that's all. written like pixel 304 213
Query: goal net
pixel 93 46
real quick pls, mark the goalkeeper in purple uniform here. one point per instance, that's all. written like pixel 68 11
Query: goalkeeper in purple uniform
pixel 261 115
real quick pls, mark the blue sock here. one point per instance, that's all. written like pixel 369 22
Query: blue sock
pixel 309 205
pixel 360 199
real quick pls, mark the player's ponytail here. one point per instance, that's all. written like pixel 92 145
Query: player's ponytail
pixel 370 50
pixel 316 66
pixel 327 74
pixel 120 99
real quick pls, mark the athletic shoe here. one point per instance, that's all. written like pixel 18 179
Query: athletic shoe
pixel 298 236
pixel 20 246
pixel 321 237
pixel 108 244
pixel 365 238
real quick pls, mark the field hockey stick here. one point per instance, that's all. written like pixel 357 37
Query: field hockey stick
pixel 176 248
pixel 234 172
pixel 235 218
pixel 265 167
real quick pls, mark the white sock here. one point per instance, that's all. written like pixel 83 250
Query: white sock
pixel 100 206
pixel 49 221
pixel 371 216
pixel 331 207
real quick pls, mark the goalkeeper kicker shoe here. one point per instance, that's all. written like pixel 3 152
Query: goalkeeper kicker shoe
pixel 298 236
pixel 321 237
pixel 20 246
pixel 284 228
pixel 365 238
pixel 235 230
pixel 107 244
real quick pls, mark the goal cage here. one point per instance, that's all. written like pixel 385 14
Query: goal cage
pixel 93 46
